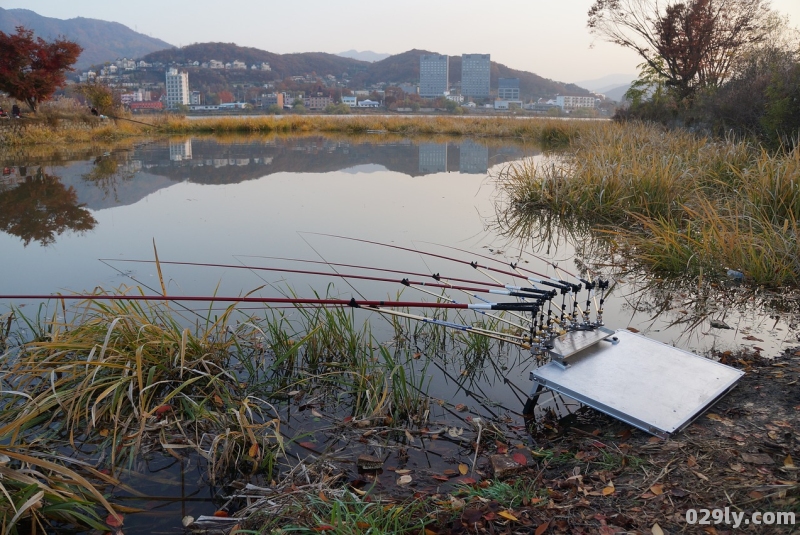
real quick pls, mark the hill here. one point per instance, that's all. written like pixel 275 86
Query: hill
pixel 395 69
pixel 366 55
pixel 101 40
pixel 282 64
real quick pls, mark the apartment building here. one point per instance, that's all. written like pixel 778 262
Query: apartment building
pixel 475 75
pixel 433 75
pixel 177 86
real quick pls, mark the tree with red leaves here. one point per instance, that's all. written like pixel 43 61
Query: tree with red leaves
pixel 31 69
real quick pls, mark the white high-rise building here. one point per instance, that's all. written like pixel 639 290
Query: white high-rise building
pixel 475 75
pixel 433 75
pixel 177 88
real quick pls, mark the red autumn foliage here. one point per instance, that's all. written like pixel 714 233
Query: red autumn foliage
pixel 33 69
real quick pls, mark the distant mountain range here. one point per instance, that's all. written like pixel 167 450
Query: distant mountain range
pixel 366 55
pixel 101 40
pixel 613 86
pixel 400 68
pixel 106 41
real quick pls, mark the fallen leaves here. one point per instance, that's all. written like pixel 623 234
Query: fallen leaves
pixel 114 520
pixel 542 528
pixel 508 516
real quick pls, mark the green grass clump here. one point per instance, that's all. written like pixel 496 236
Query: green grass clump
pixel 672 201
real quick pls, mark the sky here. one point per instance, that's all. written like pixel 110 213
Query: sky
pixel 546 37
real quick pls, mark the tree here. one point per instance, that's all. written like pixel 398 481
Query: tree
pixel 40 208
pixel 32 69
pixel 100 97
pixel 692 44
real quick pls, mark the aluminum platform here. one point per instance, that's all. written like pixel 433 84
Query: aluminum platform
pixel 653 386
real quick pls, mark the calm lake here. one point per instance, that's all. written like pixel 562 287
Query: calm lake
pixel 72 222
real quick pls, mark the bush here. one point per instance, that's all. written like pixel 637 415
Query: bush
pixel 781 120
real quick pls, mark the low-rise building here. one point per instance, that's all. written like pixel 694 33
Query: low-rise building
pixel 317 102
pixel 368 104
pixel 350 101
pixel 506 104
pixel 272 99
pixel 151 105
pixel 508 88
pixel 572 102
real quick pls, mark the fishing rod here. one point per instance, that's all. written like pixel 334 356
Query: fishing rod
pixel 383 307
pixel 520 341
pixel 500 288
pixel 513 291
pixel 561 285
pixel 435 276
pixel 575 288
pixel 513 265
pixel 126 119
pixel 547 282
pixel 367 304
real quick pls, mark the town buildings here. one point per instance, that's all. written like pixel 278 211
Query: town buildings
pixel 177 88
pixel 508 88
pixel 475 75
pixel 272 99
pixel 433 75
pixel 573 102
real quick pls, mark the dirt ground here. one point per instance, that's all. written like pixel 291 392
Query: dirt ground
pixel 742 456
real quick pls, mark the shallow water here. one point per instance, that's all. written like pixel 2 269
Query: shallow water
pixel 74 225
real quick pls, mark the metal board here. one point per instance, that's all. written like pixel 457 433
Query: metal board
pixel 572 342
pixel 655 387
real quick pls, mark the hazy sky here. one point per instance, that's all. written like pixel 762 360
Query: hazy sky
pixel 546 37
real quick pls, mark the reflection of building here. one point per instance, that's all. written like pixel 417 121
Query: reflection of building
pixel 432 158
pixel 475 75
pixel 181 150
pixel 177 88
pixel 508 88
pixel 433 75
pixel 474 158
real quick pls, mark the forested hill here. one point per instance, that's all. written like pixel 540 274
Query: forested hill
pixel 282 64
pixel 394 69
pixel 101 40
pixel 405 68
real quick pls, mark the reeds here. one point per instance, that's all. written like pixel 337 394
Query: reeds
pixel 551 132
pixel 675 202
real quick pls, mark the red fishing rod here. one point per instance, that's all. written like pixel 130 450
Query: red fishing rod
pixel 513 291
pixel 523 306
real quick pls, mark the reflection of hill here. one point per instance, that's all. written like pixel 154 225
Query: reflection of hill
pixel 123 177
pixel 215 163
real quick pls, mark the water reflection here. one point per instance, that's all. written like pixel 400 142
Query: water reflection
pixel 698 312
pixel 38 207
pixel 124 177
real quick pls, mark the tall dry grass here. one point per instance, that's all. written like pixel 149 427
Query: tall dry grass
pixel 676 202
pixel 546 131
